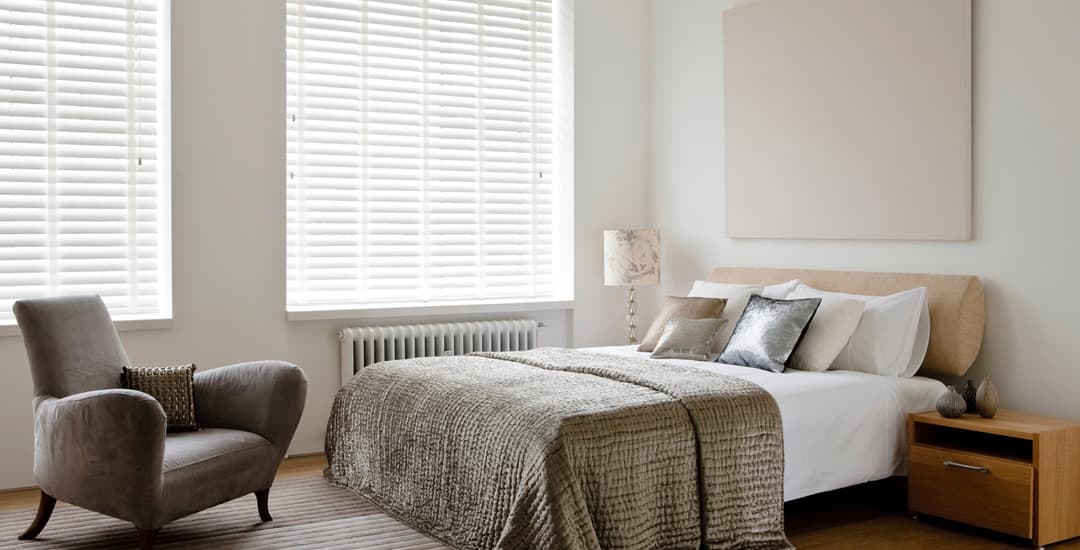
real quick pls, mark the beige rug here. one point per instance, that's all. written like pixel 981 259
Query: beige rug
pixel 308 513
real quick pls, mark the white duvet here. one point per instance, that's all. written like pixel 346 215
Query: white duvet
pixel 841 428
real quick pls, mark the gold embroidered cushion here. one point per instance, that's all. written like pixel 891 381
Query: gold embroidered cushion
pixel 173 387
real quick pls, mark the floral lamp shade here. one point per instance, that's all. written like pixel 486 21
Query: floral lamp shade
pixel 631 257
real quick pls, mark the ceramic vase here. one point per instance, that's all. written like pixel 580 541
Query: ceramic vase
pixel 951 404
pixel 986 399
pixel 970 397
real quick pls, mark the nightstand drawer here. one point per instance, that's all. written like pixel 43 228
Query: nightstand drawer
pixel 971 488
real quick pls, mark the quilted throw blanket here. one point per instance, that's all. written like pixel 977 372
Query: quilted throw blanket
pixel 563 449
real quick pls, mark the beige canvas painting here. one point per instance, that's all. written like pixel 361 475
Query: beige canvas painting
pixel 848 119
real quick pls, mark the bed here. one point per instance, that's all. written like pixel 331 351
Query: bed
pixel 841 428
pixel 599 448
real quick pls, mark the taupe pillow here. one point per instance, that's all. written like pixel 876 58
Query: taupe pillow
pixel 173 387
pixel 683 308
pixel 694 339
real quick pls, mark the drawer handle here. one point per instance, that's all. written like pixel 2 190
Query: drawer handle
pixel 979 469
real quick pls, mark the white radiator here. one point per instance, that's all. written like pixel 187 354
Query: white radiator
pixel 363 346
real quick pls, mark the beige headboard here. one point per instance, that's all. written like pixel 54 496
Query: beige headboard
pixel 957 306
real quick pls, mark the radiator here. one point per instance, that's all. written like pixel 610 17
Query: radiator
pixel 363 346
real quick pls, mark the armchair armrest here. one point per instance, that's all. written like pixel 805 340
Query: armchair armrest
pixel 262 397
pixel 101 450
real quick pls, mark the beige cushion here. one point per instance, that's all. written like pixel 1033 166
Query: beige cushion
pixel 835 321
pixel 681 307
pixel 957 305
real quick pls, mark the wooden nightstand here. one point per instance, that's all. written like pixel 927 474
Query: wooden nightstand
pixel 1015 473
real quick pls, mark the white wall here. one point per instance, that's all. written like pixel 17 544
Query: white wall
pixel 1026 187
pixel 611 95
pixel 229 202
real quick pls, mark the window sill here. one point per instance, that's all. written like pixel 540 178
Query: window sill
pixel 123 325
pixel 320 313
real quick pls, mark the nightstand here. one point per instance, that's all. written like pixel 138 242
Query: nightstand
pixel 1015 473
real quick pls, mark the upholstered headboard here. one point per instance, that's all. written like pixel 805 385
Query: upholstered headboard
pixel 957 305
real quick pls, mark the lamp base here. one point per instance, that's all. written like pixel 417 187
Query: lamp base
pixel 631 317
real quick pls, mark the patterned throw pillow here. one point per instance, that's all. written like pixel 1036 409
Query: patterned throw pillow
pixel 173 387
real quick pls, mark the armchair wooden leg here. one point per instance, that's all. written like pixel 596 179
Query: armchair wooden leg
pixel 146 538
pixel 263 497
pixel 44 512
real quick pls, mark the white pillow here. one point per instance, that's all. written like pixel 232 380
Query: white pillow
pixel 922 340
pixel 776 292
pixel 832 326
pixel 736 295
pixel 892 335
pixel 780 291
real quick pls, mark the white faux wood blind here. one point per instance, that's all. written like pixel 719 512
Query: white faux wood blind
pixel 428 158
pixel 82 196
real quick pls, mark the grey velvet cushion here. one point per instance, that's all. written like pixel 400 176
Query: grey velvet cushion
pixel 213 465
pixel 768 332
pixel 694 339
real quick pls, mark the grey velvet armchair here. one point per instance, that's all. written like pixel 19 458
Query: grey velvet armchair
pixel 106 449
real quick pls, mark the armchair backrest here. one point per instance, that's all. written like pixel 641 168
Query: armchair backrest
pixel 72 344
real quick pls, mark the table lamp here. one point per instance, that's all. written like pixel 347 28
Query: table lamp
pixel 631 258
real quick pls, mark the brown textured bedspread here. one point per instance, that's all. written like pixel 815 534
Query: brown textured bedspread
pixel 563 449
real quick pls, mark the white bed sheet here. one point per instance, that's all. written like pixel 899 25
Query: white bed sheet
pixel 841 428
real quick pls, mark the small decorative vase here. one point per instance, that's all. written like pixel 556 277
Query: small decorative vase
pixel 970 397
pixel 987 399
pixel 951 404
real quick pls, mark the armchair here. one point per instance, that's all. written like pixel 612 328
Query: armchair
pixel 106 449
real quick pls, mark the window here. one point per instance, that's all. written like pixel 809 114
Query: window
pixel 84 172
pixel 429 152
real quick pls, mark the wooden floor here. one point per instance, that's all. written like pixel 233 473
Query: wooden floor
pixel 871 516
